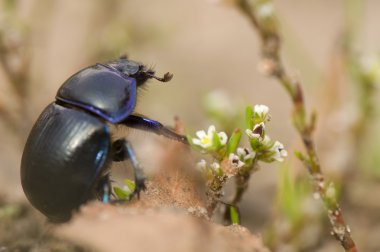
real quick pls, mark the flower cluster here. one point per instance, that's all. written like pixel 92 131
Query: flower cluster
pixel 209 170
pixel 267 150
pixel 227 152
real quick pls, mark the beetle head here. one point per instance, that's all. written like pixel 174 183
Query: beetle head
pixel 138 71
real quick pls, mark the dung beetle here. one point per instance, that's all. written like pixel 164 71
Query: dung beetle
pixel 69 151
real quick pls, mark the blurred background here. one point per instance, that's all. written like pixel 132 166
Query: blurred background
pixel 331 46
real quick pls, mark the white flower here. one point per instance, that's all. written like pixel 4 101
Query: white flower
pixel 215 166
pixel 206 140
pixel 223 138
pixel 262 111
pixel 266 140
pixel 245 153
pixel 279 151
pixel 235 161
pixel 256 132
pixel 265 10
pixel 201 165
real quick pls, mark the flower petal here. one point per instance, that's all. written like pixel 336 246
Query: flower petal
pixel 245 153
pixel 240 151
pixel 279 151
pixel 251 134
pixel 206 144
pixel 201 134
pixel 235 161
pixel 261 109
pixel 201 165
pixel 215 166
pixel 196 141
pixel 211 130
pixel 223 137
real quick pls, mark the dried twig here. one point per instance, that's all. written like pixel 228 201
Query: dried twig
pixel 15 64
pixel 273 66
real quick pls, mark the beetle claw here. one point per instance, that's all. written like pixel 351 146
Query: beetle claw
pixel 140 186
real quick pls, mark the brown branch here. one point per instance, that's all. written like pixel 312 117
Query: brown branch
pixel 18 78
pixel 242 182
pixel 273 66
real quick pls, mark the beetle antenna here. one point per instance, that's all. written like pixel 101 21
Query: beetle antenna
pixel 167 77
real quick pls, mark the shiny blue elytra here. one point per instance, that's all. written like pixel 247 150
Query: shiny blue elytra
pixel 67 154
pixel 60 163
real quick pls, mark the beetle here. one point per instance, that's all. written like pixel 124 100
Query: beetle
pixel 67 156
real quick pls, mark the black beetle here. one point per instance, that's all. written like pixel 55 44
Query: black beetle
pixel 67 156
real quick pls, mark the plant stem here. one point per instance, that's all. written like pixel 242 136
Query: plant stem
pixel 273 66
pixel 214 193
pixel 242 182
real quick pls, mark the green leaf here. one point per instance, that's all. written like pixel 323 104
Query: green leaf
pixel 299 155
pixel 233 142
pixel 130 184
pixel 303 158
pixel 249 117
pixel 289 203
pixel 298 118
pixel 255 144
pixel 190 141
pixel 292 194
pixel 121 193
pixel 216 144
pixel 331 196
pixel 234 215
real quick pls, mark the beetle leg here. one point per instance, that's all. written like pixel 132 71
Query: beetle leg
pixel 144 123
pixel 106 193
pixel 122 150
pixel 105 189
